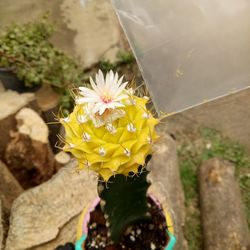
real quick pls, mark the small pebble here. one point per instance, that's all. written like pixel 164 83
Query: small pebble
pixel 128 230
pixel 132 238
pixel 138 231
pixel 152 246
pixel 102 244
pixel 93 244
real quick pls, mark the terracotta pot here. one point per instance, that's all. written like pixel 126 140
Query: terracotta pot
pixel 82 229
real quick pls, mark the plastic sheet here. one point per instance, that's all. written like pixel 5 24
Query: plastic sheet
pixel 189 51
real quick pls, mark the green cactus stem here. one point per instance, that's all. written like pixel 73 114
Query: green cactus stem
pixel 124 201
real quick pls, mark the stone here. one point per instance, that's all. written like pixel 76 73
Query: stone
pixel 31 124
pixel 230 115
pixel 223 219
pixel 166 184
pixel 96 39
pixel 45 216
pixel 10 103
pixel 49 102
pixel 2 89
pixel 10 189
pixel 61 159
pixel 1 226
pixel 47 98
pixel 31 136
pixel 66 234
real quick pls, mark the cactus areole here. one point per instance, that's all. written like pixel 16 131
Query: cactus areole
pixel 111 132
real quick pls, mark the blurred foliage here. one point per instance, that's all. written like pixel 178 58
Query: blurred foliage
pixel 26 50
pixel 210 144
pixel 123 58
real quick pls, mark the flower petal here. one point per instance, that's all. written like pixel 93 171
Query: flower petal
pixel 100 82
pixel 121 88
pixel 102 109
pixel 94 86
pixel 121 97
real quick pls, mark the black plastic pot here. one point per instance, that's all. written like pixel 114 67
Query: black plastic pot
pixel 10 81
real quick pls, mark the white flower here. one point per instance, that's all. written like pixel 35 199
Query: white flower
pixel 105 93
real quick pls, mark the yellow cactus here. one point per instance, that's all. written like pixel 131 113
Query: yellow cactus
pixel 114 140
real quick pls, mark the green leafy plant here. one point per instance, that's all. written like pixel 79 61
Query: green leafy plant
pixel 123 58
pixel 26 50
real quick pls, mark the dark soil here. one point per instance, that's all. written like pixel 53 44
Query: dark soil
pixel 67 246
pixel 150 235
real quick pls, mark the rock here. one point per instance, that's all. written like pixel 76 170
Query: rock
pixel 48 101
pixel 45 216
pixel 66 234
pixel 166 184
pixel 1 226
pixel 103 27
pixel 61 159
pixel 10 189
pixel 28 154
pixel 31 124
pixel 223 219
pixel 228 115
pixel 47 98
pixel 2 89
pixel 10 103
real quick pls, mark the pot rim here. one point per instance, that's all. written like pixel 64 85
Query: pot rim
pixel 82 229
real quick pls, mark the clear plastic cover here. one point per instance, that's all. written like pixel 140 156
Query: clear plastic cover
pixel 189 51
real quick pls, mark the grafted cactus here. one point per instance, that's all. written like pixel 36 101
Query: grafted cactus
pixel 111 132
pixel 124 201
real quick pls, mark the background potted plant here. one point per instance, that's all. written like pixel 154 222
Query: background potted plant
pixel 28 59
pixel 112 133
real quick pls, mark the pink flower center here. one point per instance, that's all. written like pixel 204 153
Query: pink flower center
pixel 106 98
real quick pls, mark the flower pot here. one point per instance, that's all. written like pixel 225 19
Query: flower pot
pixel 10 81
pixel 82 229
